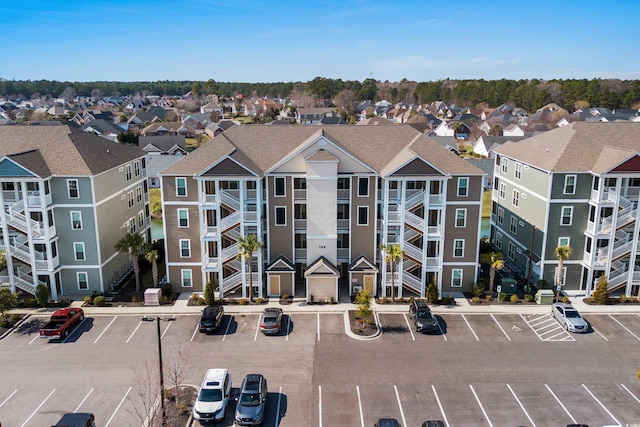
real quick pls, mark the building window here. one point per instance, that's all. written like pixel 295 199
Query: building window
pixel 363 215
pixel 513 224
pixel 456 278
pixel 82 280
pixel 76 220
pixel 500 216
pixel 567 215
pixel 517 173
pixel 130 199
pixel 185 248
pixel 516 198
pixel 181 187
pixel 281 215
pixel 281 189
pixel 127 169
pixel 132 225
pixel 136 168
pixel 363 186
pixel 458 248
pixel 564 241
pixel 498 241
pixel 186 278
pixel 570 184
pixel 503 190
pixel 461 218
pixel 183 218
pixel 72 189
pixel 140 219
pixel 463 187
pixel 511 250
pixel 505 163
pixel 138 194
pixel 78 251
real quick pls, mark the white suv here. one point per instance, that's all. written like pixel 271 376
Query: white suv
pixel 214 396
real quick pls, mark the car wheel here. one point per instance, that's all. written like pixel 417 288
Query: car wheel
pixel 566 327
pixel 81 317
pixel 553 314
pixel 65 333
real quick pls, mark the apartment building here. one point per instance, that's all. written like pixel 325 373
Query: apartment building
pixel 574 186
pixel 321 199
pixel 68 196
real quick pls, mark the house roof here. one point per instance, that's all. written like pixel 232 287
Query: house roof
pixel 162 143
pixel 260 148
pixel 103 127
pixel 62 150
pixel 151 113
pixel 579 146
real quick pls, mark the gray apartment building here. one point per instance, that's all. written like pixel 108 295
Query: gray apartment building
pixel 574 186
pixel 68 196
pixel 321 199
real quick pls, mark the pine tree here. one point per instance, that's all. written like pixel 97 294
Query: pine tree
pixel 601 294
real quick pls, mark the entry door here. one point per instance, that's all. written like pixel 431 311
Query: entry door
pixel 368 283
pixel 274 285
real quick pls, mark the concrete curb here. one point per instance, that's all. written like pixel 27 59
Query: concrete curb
pixel 350 334
pixel 24 319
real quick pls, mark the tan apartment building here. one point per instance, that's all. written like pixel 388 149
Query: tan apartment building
pixel 322 200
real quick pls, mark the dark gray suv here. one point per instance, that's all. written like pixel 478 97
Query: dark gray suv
pixel 252 401
pixel 422 317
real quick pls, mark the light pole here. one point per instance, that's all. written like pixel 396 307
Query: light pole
pixel 158 319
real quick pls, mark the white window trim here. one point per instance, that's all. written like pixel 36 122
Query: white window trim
pixel 186 192
pixel 566 178
pixel 368 184
pixel 71 217
pixel 466 187
pixel 180 242
pixel 455 247
pixel 517 171
pixel 500 216
pixel 182 271
pixel 505 165
pixel 358 219
pixel 130 199
pixel 515 197
pixel 513 225
pixel 138 194
pixel 128 173
pixel 453 277
pixel 570 216
pixel 464 219
pixel 498 240
pixel 275 216
pixel 275 186
pixel 560 239
pixel 75 253
pixel 511 251
pixel 136 168
pixel 69 189
pixel 141 219
pixel 503 190
pixel 86 276
pixel 183 210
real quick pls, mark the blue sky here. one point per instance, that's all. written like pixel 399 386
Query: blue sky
pixel 263 41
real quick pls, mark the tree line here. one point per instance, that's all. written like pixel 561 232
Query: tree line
pixel 528 94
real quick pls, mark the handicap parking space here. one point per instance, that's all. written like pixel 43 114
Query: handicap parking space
pixel 515 327
pixel 547 328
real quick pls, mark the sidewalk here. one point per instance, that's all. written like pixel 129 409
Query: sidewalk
pixel 299 305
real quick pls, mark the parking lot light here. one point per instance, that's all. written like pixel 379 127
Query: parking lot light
pixel 158 319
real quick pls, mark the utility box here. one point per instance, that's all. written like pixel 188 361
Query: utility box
pixel 152 296
pixel 544 296
pixel 509 286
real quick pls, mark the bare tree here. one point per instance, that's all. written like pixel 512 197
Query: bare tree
pixel 178 368
pixel 345 100
pixel 144 395
pixel 68 94
pixel 96 94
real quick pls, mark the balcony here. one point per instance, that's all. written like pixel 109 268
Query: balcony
pixel 343 254
pixel 300 224
pixel 300 195
pixel 343 194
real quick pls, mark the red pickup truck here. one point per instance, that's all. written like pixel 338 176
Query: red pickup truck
pixel 61 323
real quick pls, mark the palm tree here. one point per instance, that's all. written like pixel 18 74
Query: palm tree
pixel 393 253
pixel 152 257
pixel 562 253
pixel 133 245
pixel 496 262
pixel 247 246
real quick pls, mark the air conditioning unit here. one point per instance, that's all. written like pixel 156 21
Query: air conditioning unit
pixel 357 289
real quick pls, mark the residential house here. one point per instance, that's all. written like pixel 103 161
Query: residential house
pixel 152 115
pixel 103 128
pixel 309 116
pixel 67 197
pixel 168 128
pixel 212 107
pixel 485 145
pixel 322 199
pixel 196 120
pixel 215 129
pixel 162 152
pixel 575 186
pixel 513 130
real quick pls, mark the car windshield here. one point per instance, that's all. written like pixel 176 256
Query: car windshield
pixel 270 319
pixel 424 314
pixel 249 399
pixel 210 395
pixel 572 313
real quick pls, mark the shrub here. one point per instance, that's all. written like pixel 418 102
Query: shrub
pixel 503 296
pixel 209 295
pixel 135 298
pixel 515 299
pixel 475 300
pixel 285 296
pixel 233 301
pixel 30 303
pixel 528 298
pixel 312 298
pixel 384 300
pixel 488 298
pixel 623 299
pixel 244 301
pixel 432 292
pixel 476 289
pixel 259 300
pixel 411 299
pixel 99 301
pixel 88 299
pixel 5 324
pixel 601 295
pixel 363 301
pixel 167 289
pixel 164 300
pixel 42 294
pixel 65 302
pixel 332 300
pixel 565 299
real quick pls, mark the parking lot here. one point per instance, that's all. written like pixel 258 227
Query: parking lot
pixel 480 369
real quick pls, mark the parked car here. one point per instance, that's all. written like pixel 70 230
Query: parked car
pixel 211 319
pixel 422 317
pixel 61 323
pixel 213 397
pixel 387 422
pixel 569 317
pixel 437 423
pixel 252 401
pixel 271 320
pixel 77 419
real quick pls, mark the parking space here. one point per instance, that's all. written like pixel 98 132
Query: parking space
pixel 515 327
pixel 397 327
pixel 547 328
pixel 613 328
pixel 486 328
pixel 330 325
pixel 467 414
pixel 419 403
pixel 456 328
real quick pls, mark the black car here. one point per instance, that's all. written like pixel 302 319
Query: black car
pixel 437 423
pixel 422 316
pixel 211 319
pixel 387 422
pixel 77 419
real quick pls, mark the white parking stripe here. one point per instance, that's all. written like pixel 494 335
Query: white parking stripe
pixel 413 337
pixel 105 329
pixel 166 329
pixel 360 406
pixel 625 328
pixel 318 314
pixel 600 403
pixel 132 333
pixel 563 407
pixel 623 386
pixel 404 421
pixel 598 332
pixel 193 335
pixel 74 330
pixel 500 326
pixel 472 331
pixel 226 331
pixel 486 417
pixel 118 407
pixel 288 327
pixel 34 338
pixel 444 416
pixel 255 337
pixel 15 391
pixel 548 322
pixel 277 423
pixel 85 398
pixel 38 408
pixel 441 331
pixel 521 406
pixel 319 399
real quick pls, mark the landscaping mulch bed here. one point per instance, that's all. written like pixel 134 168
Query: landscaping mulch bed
pixel 178 414
pixel 614 301
pixel 364 327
